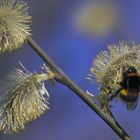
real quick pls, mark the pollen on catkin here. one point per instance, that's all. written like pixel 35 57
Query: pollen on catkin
pixel 108 66
pixel 14 24
pixel 22 100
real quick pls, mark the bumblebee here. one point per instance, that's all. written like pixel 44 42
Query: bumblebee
pixel 130 87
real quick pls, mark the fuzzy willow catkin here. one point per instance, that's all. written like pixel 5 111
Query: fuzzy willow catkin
pixel 108 66
pixel 14 24
pixel 22 100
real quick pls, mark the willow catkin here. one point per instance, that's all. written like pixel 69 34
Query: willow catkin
pixel 108 66
pixel 22 100
pixel 14 24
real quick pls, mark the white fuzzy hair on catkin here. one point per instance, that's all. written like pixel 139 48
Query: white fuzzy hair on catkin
pixel 14 24
pixel 22 100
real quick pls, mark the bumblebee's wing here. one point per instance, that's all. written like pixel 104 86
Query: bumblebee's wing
pixel 131 105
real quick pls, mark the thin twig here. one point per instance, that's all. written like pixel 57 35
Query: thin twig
pixel 65 80
pixel 111 114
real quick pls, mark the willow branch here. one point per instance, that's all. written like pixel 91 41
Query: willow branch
pixel 62 78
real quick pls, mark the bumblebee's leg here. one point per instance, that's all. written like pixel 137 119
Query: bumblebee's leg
pixel 114 95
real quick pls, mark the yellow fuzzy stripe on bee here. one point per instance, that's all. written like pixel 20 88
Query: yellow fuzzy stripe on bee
pixel 124 92
pixel 133 74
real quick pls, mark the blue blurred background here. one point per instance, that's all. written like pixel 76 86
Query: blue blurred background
pixel 72 33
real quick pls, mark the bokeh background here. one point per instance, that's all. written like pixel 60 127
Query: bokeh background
pixel 72 33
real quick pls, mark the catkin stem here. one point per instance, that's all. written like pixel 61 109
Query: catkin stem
pixel 62 78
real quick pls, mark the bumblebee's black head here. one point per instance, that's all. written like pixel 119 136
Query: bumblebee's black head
pixel 130 78
pixel 131 69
